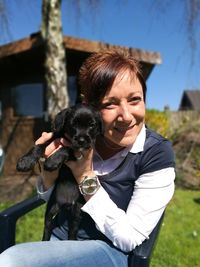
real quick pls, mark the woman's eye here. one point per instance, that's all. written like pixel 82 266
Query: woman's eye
pixel 135 99
pixel 108 105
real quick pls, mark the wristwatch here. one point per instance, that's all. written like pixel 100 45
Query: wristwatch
pixel 89 185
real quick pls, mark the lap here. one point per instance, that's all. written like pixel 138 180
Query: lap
pixel 88 253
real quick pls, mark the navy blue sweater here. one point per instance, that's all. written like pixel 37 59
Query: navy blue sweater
pixel 119 184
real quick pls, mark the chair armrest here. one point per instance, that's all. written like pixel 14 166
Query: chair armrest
pixel 9 217
pixel 140 256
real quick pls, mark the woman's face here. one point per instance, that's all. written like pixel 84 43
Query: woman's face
pixel 123 111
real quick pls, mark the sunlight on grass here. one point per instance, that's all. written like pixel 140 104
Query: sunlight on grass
pixel 30 226
pixel 179 240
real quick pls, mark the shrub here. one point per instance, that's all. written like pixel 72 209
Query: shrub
pixel 158 121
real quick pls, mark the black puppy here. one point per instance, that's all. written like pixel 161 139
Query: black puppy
pixel 80 125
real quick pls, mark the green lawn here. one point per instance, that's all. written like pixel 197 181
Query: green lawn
pixel 179 240
pixel 30 226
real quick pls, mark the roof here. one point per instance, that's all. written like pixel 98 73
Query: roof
pixel 31 49
pixel 190 100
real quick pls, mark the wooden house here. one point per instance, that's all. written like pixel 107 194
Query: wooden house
pixel 22 90
pixel 190 100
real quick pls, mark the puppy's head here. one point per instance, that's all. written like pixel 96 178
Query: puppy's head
pixel 81 124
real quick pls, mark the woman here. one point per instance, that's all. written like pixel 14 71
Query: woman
pixel 134 165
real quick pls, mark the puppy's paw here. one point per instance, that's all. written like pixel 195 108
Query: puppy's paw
pixel 25 164
pixel 56 160
pixel 50 165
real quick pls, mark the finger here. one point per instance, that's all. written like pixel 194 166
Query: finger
pixel 64 142
pixel 52 147
pixel 44 138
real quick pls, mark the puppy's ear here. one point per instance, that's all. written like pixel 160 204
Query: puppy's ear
pixel 99 121
pixel 59 120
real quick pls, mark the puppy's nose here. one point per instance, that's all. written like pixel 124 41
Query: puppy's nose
pixel 81 140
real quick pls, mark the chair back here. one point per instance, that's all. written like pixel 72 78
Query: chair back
pixel 140 256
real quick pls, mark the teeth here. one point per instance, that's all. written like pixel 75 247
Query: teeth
pixel 122 129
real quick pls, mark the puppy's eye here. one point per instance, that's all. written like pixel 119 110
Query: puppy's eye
pixel 92 125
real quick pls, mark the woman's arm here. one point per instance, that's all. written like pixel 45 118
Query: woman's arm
pixel 41 191
pixel 46 179
pixel 126 230
pixel 80 169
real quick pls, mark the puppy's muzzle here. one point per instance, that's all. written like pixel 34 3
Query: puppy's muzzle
pixel 83 142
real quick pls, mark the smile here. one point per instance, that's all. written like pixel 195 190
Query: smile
pixel 124 129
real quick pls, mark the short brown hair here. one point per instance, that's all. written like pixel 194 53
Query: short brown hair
pixel 99 71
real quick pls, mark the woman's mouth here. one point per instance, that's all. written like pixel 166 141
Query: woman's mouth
pixel 123 129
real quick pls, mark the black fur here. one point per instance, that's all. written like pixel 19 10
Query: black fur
pixel 80 124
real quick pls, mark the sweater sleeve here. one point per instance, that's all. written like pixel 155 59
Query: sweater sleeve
pixel 45 195
pixel 128 229
pixel 158 156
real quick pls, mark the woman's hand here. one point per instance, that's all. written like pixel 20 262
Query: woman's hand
pixel 49 178
pixel 52 147
pixel 82 167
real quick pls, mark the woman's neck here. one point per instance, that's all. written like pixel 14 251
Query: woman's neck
pixel 105 149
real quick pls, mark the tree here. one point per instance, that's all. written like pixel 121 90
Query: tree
pixel 55 59
pixel 190 19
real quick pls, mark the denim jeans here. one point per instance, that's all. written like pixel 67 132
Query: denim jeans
pixel 90 253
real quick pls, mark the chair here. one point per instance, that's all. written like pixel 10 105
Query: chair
pixel 139 257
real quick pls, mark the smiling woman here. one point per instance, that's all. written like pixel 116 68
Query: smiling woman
pixel 133 168
pixel 123 110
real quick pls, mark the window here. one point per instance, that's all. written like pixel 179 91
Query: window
pixel 28 100
pixel 72 89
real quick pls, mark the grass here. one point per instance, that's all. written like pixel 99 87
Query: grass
pixel 179 240
pixel 30 226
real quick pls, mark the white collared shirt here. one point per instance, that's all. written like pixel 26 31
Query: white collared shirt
pixel 151 195
pixel 102 167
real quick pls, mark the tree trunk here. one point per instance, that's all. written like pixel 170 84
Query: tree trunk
pixel 55 58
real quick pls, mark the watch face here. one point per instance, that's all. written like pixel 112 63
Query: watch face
pixel 90 185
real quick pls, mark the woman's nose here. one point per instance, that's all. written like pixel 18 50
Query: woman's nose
pixel 124 113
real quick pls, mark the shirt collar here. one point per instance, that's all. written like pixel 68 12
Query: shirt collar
pixel 138 145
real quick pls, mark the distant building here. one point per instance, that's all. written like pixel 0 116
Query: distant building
pixel 190 100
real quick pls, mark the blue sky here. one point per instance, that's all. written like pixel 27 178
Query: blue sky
pixel 129 23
